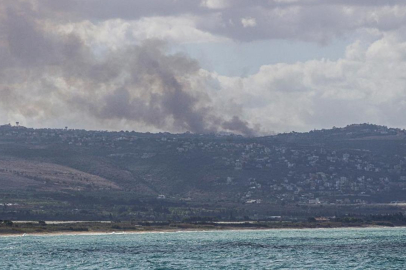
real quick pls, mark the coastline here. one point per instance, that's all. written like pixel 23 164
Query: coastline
pixel 189 230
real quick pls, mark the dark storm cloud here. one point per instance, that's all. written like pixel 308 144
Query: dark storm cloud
pixel 122 9
pixel 130 9
pixel 27 43
pixel 314 20
pixel 309 20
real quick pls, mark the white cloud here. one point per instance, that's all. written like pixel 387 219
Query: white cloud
pixel 175 29
pixel 365 86
pixel 117 33
pixel 215 4
pixel 248 22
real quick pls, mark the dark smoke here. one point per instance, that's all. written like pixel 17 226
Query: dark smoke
pixel 50 74
pixel 237 125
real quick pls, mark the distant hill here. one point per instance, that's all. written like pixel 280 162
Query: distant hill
pixel 63 173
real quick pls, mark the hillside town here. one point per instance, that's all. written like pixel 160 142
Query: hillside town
pixel 287 168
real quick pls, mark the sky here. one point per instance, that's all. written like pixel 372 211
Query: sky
pixel 253 68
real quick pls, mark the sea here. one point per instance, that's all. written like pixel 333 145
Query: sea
pixel 365 248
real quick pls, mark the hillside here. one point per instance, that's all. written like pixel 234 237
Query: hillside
pixel 78 174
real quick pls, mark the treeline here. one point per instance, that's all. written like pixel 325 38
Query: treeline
pixel 381 219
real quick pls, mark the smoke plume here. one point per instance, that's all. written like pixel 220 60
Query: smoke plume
pixel 47 73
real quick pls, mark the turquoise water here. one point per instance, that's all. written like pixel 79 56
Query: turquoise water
pixel 272 249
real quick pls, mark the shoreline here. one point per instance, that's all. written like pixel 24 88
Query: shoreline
pixel 188 230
